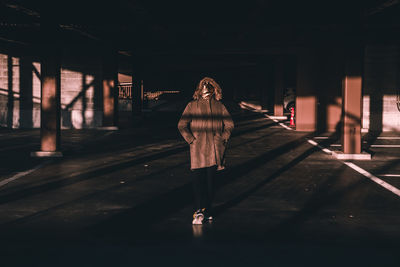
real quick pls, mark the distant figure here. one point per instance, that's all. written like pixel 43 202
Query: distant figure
pixel 206 125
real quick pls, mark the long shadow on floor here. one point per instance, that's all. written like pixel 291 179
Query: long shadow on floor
pixel 58 183
pixel 98 193
pixel 134 222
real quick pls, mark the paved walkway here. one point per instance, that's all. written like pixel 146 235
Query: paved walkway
pixel 124 197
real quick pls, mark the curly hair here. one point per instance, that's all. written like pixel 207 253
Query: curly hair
pixel 208 81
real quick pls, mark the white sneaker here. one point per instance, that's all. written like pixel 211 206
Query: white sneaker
pixel 209 218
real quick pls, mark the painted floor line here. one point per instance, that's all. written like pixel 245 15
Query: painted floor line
pixel 22 174
pixel 381 137
pixel 375 179
pixel 286 127
pixel 281 124
pixel 388 146
pixel 370 176
pixel 380 182
pixel 327 151
pixel 385 145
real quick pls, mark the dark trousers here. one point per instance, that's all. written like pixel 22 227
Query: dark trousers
pixel 203 187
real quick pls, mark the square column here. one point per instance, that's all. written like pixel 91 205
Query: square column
pixel 306 98
pixel 279 84
pixel 352 102
pixel 351 130
pixel 50 105
pixel 137 86
pixel 110 90
pixel 352 106
pixel 331 79
pixel 50 93
pixel 267 89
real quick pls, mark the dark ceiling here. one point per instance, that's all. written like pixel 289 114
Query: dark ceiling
pixel 209 25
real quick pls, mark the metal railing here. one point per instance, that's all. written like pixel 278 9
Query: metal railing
pixel 125 91
pixel 156 95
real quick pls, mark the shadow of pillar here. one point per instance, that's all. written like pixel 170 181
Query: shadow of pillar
pixel 329 88
pixel 322 73
pixel 306 90
pixel 374 81
pixel 375 111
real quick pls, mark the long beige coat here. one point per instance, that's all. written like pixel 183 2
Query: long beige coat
pixel 206 125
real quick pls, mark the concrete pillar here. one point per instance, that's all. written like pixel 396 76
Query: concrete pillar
pixel 50 104
pixel 306 99
pixel 110 89
pixel 137 86
pixel 50 89
pixel 267 90
pixel 279 84
pixel 352 106
pixel 352 102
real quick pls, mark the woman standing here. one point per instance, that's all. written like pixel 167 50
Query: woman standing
pixel 206 125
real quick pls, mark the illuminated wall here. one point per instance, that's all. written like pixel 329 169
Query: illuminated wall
pixel 19 92
pixel 81 90
pixel 381 88
pixel 81 98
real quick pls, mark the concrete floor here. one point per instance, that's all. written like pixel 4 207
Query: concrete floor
pixel 123 198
